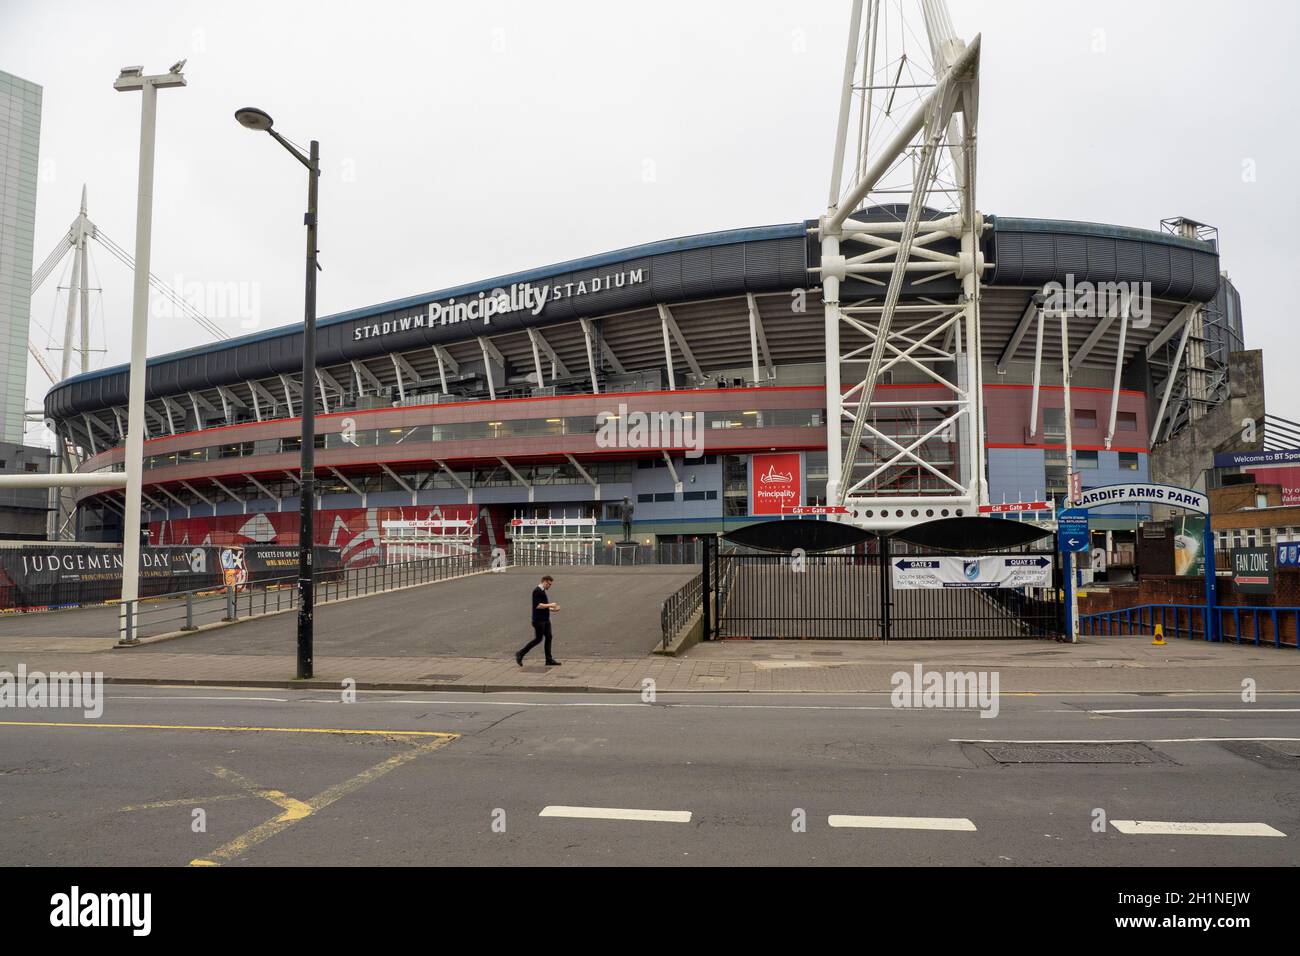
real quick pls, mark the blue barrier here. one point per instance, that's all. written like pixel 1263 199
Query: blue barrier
pixel 1257 625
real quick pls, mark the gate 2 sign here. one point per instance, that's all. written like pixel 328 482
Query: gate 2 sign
pixel 1000 571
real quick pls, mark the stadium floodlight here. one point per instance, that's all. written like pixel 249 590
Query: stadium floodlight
pixel 260 121
pixel 132 78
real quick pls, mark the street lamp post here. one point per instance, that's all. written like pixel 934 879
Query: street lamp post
pixel 131 79
pixel 258 120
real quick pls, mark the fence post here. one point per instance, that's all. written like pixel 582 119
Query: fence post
pixel 886 588
pixel 705 588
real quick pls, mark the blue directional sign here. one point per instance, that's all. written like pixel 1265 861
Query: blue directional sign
pixel 1072 531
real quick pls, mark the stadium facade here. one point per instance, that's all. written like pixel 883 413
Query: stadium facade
pixel 541 394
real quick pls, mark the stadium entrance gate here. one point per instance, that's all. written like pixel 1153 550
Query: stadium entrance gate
pixel 956 578
pixel 426 538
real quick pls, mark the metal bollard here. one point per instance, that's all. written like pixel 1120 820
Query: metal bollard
pixel 189 612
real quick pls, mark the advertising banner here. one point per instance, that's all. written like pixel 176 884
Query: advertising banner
pixel 775 483
pixel 999 571
pixel 1189 539
pixel 1287 477
pixel 1288 554
pixel 44 575
pixel 56 575
pixel 357 532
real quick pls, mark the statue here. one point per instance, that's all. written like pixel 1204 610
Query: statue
pixel 625 512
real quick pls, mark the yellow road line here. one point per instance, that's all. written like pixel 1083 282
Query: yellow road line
pixel 184 802
pixel 266 730
pixel 300 811
pixel 293 808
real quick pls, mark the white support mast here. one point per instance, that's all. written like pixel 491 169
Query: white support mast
pixel 900 270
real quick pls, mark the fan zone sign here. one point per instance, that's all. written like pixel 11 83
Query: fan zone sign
pixel 1001 571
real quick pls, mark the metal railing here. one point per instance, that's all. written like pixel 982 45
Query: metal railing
pixel 189 610
pixel 573 553
pixel 680 607
pixel 1241 625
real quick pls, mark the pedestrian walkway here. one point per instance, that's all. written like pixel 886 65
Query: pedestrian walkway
pixel 1106 665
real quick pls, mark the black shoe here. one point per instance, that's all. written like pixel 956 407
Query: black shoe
pixel 519 658
pixel 552 663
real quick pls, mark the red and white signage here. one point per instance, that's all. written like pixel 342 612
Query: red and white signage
pixel 819 510
pixel 1014 507
pixel 1287 477
pixel 775 483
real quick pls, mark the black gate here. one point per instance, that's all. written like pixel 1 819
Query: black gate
pixel 850 593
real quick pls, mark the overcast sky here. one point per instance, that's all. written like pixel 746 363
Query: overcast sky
pixel 465 140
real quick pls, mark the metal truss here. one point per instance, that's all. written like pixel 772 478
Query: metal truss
pixel 901 283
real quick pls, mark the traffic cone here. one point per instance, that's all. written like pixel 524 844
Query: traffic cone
pixel 1160 637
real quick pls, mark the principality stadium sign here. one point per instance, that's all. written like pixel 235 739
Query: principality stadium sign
pixel 519 297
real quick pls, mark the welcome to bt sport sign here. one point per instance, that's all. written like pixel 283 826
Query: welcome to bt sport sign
pixel 518 297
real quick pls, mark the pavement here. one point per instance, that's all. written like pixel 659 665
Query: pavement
pixel 219 777
pixel 461 634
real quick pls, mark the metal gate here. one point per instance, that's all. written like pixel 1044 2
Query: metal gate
pixel 850 594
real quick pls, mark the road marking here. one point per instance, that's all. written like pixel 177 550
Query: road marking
pixel 1134 740
pixel 901 823
pixel 274 700
pixel 184 802
pixel 1166 828
pixel 296 810
pixel 616 813
pixel 264 730
pixel 1190 710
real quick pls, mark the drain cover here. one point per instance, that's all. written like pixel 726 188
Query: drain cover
pixel 1276 754
pixel 1072 753
pixel 440 677
pixel 827 653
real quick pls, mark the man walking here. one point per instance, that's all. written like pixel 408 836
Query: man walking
pixel 542 607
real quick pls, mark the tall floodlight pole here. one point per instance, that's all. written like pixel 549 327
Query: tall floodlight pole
pixel 1071 589
pixel 260 121
pixel 130 79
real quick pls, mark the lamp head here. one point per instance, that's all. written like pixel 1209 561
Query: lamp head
pixel 254 119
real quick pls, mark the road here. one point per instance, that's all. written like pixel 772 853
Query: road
pixel 485 779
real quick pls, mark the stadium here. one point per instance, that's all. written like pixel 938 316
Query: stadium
pixel 484 410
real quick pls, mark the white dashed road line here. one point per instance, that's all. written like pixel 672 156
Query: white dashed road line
pixel 1167 828
pixel 618 813
pixel 901 823
pixel 1194 710
pixel 1134 740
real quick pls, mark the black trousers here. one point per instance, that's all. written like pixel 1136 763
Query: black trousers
pixel 541 632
